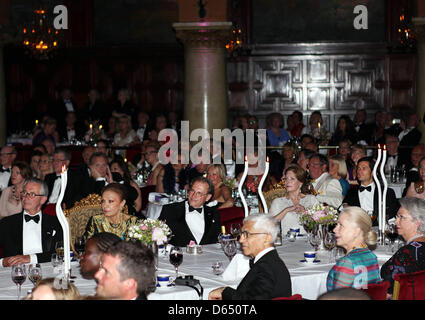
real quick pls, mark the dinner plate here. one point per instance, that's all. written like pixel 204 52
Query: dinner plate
pixel 305 262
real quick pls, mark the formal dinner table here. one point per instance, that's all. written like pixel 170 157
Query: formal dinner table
pixel 309 280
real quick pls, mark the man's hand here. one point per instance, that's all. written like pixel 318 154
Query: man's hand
pixel 94 173
pixel 14 260
pixel 216 294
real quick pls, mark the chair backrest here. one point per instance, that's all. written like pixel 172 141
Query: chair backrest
pixel 409 286
pixel 231 215
pixel 293 297
pixel 80 213
pixel 278 191
pixel 377 291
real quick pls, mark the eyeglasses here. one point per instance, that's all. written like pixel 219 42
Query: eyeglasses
pixel 59 160
pixel 401 217
pixel 197 193
pixel 246 234
pixel 30 195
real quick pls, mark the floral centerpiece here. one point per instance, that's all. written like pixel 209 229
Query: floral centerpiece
pixel 231 183
pixel 319 214
pixel 94 134
pixel 149 232
pixel 321 134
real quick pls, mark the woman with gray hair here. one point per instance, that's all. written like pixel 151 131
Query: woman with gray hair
pixel 410 222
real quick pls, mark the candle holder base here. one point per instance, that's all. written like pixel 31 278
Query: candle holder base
pixel 381 238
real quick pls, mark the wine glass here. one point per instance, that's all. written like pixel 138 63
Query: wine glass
pixel 19 275
pixel 80 245
pixel 34 273
pixel 59 248
pixel 176 258
pixel 330 242
pixel 235 230
pixel 230 248
pixel 315 239
pixel 56 260
pixel 391 234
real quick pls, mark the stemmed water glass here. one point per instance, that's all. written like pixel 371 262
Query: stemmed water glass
pixel 19 275
pixel 230 248
pixel 80 245
pixel 176 258
pixel 315 238
pixel 329 242
pixel 34 273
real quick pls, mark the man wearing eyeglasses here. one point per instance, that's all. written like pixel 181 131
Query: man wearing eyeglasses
pixel 7 156
pixel 29 236
pixel 192 220
pixel 268 276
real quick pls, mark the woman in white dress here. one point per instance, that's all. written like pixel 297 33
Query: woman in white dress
pixel 287 209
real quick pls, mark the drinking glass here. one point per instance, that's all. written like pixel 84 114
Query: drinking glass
pixel 80 245
pixel 34 273
pixel 230 248
pixel 56 260
pixel 235 230
pixel 391 234
pixel 176 258
pixel 19 275
pixel 330 242
pixel 315 239
pixel 59 248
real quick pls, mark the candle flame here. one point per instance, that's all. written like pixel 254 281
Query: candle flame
pixel 36 122
pixel 379 146
pixel 63 168
pixel 385 147
pixel 267 159
pixel 91 126
pixel 318 124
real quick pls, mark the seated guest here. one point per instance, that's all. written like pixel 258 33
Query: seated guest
pixel 49 145
pixel 48 132
pixel 7 156
pixel 222 193
pixel 73 190
pixel 338 170
pixel 200 169
pixel 365 196
pixel 94 248
pixel 112 219
pixel 268 276
pixel 72 130
pixel 35 162
pixel 142 126
pixel 305 139
pixel 10 200
pixel 104 147
pixel 276 133
pixel 329 189
pixel 410 136
pixel 100 174
pixel 298 125
pixel 192 220
pixel 49 289
pixel 298 198
pixel 413 175
pixel 344 148
pixel 151 157
pixel 45 166
pixel 127 272
pixel 289 153
pixel 124 105
pixel 344 130
pixel 358 151
pixel 83 169
pixel 41 231
pixel 362 128
pixel 410 224
pixel 359 267
pixel 118 166
pixel 172 177
pixel 125 136
pixel 393 159
pixel 416 189
pixel 304 158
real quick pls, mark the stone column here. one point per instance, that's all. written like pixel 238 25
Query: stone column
pixel 3 128
pixel 419 26
pixel 205 91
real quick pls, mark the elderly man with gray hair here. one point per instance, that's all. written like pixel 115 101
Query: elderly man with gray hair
pixel 410 223
pixel 268 276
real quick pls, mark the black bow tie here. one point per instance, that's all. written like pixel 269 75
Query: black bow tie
pixel 251 263
pixel 4 170
pixel 195 209
pixel 369 188
pixel 36 218
pixel 392 156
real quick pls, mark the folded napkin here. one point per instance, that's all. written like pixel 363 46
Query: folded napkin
pixel 237 268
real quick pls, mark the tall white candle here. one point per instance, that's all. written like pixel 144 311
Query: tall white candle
pixel 240 187
pixel 385 188
pixel 260 186
pixel 64 223
pixel 378 186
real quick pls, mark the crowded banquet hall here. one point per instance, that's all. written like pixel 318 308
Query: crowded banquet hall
pixel 212 150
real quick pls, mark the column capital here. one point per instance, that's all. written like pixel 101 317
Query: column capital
pixel 419 28
pixel 207 34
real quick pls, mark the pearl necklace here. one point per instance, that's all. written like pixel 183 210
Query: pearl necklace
pixel 415 237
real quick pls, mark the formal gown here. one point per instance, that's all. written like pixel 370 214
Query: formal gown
pixel 99 223
pixel 8 205
pixel 291 219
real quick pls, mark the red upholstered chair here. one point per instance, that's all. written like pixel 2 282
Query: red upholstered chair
pixel 377 291
pixel 293 297
pixel 50 209
pixel 409 286
pixel 145 195
pixel 131 152
pixel 231 215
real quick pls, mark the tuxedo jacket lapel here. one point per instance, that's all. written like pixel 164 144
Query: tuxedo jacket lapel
pixel 20 228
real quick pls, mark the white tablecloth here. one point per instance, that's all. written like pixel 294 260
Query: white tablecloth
pixel 307 280
pixel 398 189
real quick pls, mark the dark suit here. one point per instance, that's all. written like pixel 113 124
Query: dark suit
pixel 267 279
pixel 11 229
pixel 407 143
pixel 73 192
pixel 392 205
pixel 174 215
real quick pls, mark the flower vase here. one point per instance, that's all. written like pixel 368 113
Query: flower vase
pixel 154 247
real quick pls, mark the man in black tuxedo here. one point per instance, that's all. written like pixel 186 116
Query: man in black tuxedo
pixel 192 219
pixel 61 107
pixel 365 196
pixel 409 137
pixel 126 272
pixel 7 157
pixel 41 230
pixel 73 191
pixel 268 276
pixel 394 158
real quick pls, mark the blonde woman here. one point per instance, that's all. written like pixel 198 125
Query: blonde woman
pixel 359 266
pixel 54 289
pixel 222 193
pixel 45 166
pixel 338 170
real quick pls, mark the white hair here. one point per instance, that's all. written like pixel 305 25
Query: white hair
pixel 264 223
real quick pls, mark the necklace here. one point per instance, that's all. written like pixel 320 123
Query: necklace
pixel 363 245
pixel 415 237
pixel 14 194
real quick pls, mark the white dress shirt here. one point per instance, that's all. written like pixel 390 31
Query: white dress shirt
pixel 262 253
pixel 140 132
pixel 56 190
pixel 69 106
pixel 4 179
pixel 195 222
pixel 366 198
